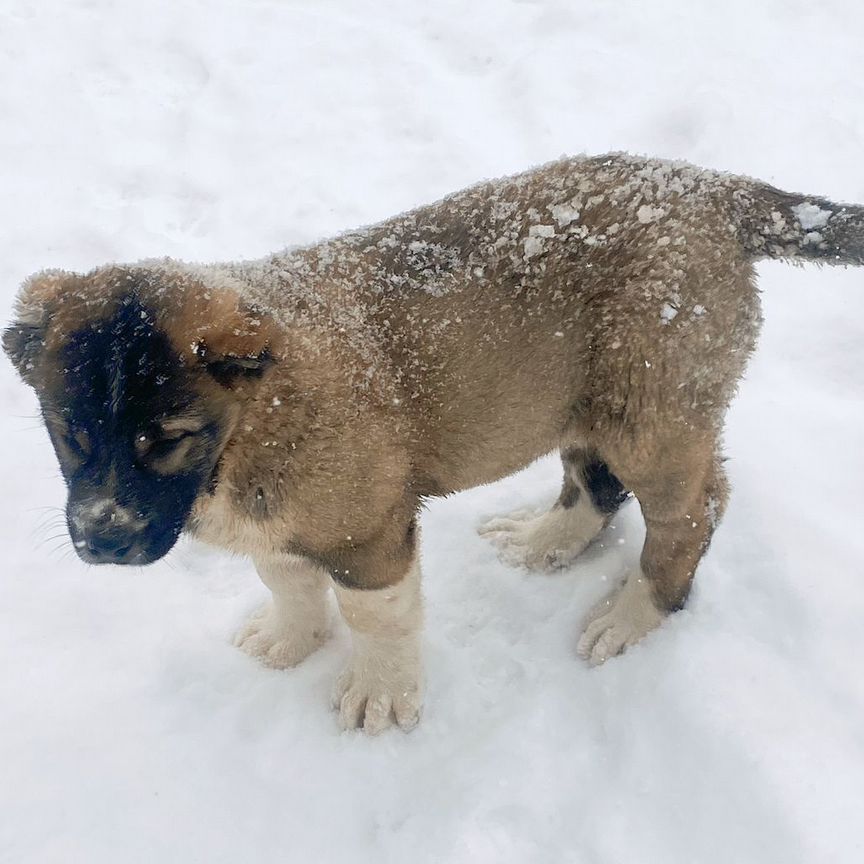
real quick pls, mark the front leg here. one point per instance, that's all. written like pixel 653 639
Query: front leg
pixel 295 623
pixel 383 681
pixel 378 591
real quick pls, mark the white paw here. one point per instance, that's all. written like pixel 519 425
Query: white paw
pixel 280 643
pixel 619 621
pixel 544 541
pixel 374 696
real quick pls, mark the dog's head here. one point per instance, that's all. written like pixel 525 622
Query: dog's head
pixel 141 373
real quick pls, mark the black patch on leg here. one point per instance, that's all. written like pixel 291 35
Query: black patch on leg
pixel 570 495
pixel 605 488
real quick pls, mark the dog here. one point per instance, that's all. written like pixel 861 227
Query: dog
pixel 299 409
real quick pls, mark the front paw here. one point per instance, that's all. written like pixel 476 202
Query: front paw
pixel 279 643
pixel 373 694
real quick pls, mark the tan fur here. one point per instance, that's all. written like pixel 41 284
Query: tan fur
pixel 606 304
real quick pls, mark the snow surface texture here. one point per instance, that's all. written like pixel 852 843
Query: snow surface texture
pixel 132 730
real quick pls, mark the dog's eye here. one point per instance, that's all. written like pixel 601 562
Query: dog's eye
pixel 73 444
pixel 160 443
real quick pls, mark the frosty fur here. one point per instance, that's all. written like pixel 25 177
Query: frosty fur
pixel 603 306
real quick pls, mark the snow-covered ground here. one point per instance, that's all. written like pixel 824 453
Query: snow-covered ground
pixel 131 730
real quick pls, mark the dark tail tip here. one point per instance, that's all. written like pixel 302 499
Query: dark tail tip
pixel 778 224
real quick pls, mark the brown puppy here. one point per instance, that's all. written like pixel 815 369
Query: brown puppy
pixel 298 409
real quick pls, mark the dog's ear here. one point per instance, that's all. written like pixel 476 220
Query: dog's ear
pixel 229 367
pixel 221 332
pixel 24 339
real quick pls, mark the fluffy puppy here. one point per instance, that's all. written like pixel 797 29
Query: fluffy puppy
pixel 299 408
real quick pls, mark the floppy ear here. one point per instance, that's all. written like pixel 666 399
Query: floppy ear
pixel 220 331
pixel 210 322
pixel 229 367
pixel 24 339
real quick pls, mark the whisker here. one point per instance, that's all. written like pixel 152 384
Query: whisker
pixel 49 519
pixel 40 530
pixel 60 517
pixel 64 536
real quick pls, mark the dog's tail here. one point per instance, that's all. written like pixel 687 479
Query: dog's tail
pixel 777 224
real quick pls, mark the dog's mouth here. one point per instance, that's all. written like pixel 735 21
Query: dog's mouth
pixel 133 554
pixel 113 538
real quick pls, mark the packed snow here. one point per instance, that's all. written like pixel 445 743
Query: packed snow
pixel 131 729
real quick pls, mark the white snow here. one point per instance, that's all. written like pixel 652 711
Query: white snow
pixel 811 215
pixel 533 244
pixel 564 214
pixel 131 730
pixel 668 313
pixel 646 213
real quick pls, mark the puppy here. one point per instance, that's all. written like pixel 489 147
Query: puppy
pixel 298 409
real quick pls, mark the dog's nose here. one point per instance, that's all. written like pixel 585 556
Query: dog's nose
pixel 110 547
pixel 107 533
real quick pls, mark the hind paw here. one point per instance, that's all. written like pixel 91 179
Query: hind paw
pixel 620 620
pixel 545 541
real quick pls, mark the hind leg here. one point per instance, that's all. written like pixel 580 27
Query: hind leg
pixel 590 495
pixel 682 491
